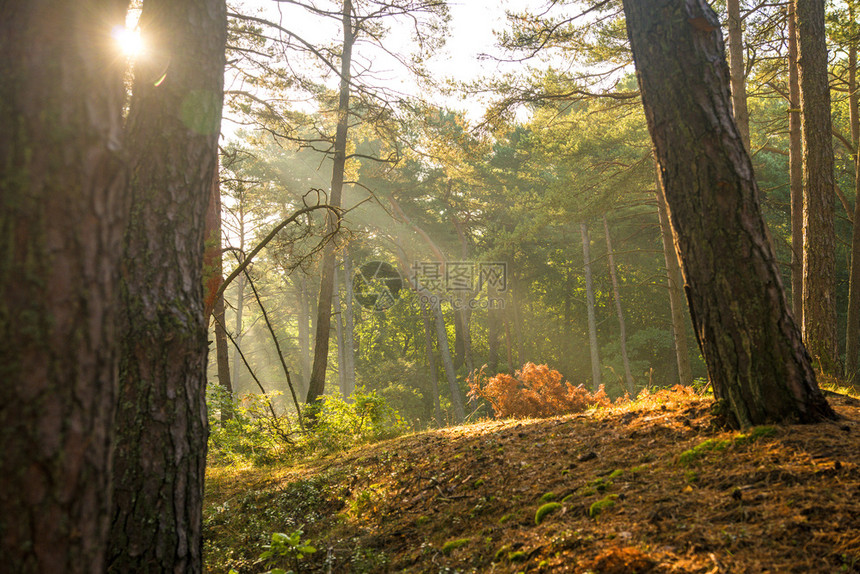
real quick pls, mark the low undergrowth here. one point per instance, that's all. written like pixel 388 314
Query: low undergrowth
pixel 263 430
pixel 602 491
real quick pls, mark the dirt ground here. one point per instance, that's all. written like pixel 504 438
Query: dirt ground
pixel 654 486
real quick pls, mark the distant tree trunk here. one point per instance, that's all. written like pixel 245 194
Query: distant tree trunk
pixel 431 363
pixel 463 338
pixel 622 327
pixel 349 328
pixel 819 236
pixel 222 356
pixel 213 299
pixel 520 349
pixel 62 214
pixel 751 345
pixel 795 161
pixel 459 340
pixel 738 72
pixel 852 339
pixel 316 385
pixel 493 321
pixel 339 333
pixel 445 354
pixel 161 425
pixel 240 304
pixel 303 319
pixel 589 296
pixel 675 284
pixel 509 346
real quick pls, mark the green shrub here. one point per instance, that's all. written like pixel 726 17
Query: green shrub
pixel 261 431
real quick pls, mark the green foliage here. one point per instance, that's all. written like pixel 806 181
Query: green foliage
pixel 235 531
pixel 366 418
pixel 286 549
pixel 262 432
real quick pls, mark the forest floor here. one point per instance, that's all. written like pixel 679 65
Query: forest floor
pixel 654 486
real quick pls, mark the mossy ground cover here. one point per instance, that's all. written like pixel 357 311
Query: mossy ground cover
pixel 464 499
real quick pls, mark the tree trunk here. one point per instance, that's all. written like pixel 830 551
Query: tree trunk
pixel 493 322
pixel 622 327
pixel 589 296
pixel 445 354
pixel 756 361
pixel 222 357
pixel 316 385
pixel 852 342
pixel 303 318
pixel 62 214
pixel 520 351
pixel 338 311
pixel 738 75
pixel 173 129
pixel 240 304
pixel 349 328
pixel 459 340
pixel 431 363
pixel 675 284
pixel 213 299
pixel 819 236
pixel 795 162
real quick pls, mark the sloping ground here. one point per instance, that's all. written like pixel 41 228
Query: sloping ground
pixel 650 487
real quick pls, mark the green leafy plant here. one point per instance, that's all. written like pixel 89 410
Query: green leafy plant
pixel 286 549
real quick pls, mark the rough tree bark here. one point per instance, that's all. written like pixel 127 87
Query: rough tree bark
pixel 173 129
pixel 756 361
pixel 819 235
pixel 795 168
pixel 622 327
pixel 589 296
pixel 852 338
pixel 675 284
pixel 738 75
pixel 62 213
pixel 316 384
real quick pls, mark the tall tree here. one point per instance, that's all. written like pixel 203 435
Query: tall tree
pixel 213 296
pixel 589 302
pixel 316 384
pixel 62 212
pixel 819 235
pixel 756 361
pixel 738 70
pixel 173 129
pixel 622 326
pixel 795 168
pixel 675 285
pixel 852 338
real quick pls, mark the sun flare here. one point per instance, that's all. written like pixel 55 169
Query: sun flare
pixel 128 40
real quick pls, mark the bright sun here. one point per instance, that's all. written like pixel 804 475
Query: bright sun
pixel 128 40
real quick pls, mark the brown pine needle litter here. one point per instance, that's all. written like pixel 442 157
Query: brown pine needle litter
pixel 651 486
